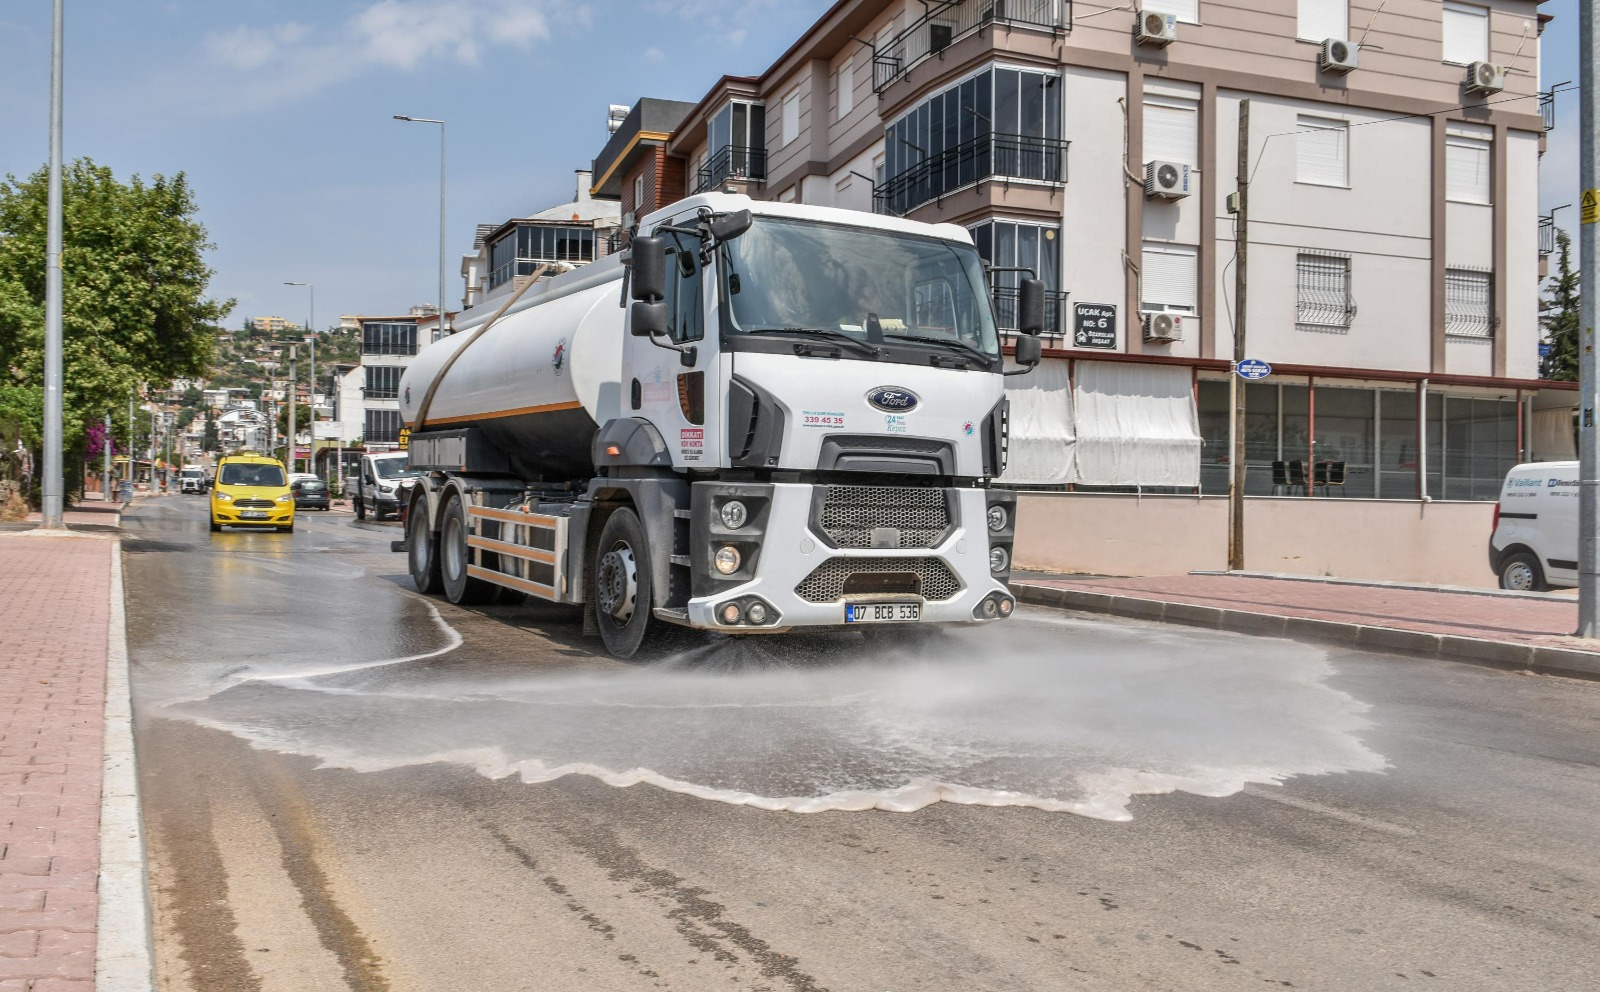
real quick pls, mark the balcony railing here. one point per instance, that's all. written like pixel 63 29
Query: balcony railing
pixel 1547 235
pixel 1055 309
pixel 731 162
pixel 948 21
pixel 988 156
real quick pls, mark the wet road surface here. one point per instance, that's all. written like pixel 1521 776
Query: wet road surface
pixel 348 786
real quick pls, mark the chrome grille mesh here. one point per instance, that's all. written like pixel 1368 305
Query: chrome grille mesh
pixel 826 582
pixel 850 513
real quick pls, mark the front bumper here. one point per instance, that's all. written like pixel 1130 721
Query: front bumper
pixel 791 549
pixel 228 516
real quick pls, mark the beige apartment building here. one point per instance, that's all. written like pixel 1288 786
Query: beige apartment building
pixel 1394 236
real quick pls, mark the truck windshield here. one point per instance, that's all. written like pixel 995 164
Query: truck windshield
pixel 394 468
pixel 878 287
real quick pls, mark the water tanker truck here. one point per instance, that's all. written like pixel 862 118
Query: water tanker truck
pixel 758 417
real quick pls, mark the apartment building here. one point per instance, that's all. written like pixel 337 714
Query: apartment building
pixel 388 344
pixel 273 325
pixel 1394 238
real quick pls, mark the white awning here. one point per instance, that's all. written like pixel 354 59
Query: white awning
pixel 1136 425
pixel 1041 435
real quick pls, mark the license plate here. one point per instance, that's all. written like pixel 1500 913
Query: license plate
pixel 252 514
pixel 882 612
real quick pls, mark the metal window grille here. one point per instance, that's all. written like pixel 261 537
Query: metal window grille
pixel 384 338
pixel 383 381
pixel 1469 303
pixel 1322 291
pixel 383 427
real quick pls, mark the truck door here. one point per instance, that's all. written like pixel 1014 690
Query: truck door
pixel 683 401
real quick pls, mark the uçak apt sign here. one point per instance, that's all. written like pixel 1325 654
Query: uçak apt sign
pixel 1094 325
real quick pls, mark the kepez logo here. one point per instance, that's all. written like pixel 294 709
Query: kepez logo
pixel 893 399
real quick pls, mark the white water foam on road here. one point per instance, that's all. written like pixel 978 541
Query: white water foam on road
pixel 1043 711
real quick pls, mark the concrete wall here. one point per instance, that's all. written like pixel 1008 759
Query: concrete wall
pixel 1171 535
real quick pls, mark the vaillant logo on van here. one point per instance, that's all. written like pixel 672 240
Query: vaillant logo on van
pixel 1523 483
pixel 893 399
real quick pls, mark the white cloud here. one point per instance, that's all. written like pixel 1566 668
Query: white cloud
pixel 654 54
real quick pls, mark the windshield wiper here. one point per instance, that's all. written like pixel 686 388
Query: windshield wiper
pixel 825 333
pixel 946 343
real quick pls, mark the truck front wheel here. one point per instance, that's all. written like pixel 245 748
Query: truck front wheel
pixel 620 583
pixel 459 587
pixel 361 509
pixel 422 552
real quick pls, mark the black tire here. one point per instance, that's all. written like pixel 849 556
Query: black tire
pixel 286 530
pixel 422 553
pixel 361 509
pixel 459 587
pixel 1522 572
pixel 619 584
pixel 216 528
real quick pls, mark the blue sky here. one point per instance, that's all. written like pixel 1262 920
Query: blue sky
pixel 280 114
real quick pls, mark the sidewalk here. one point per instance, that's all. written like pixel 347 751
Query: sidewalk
pixel 1464 625
pixel 58 631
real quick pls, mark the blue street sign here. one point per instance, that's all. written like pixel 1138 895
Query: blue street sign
pixel 1254 368
pixel 1546 350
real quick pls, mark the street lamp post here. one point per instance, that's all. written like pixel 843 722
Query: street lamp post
pixel 427 120
pixel 311 331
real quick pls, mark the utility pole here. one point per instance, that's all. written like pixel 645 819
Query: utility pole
pixel 294 389
pixel 1241 247
pixel 51 506
pixel 1588 381
pixel 130 436
pixel 105 461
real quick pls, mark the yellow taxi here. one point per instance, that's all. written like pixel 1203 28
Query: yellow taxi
pixel 251 491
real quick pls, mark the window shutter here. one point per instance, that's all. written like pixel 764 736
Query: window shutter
pixel 847 93
pixel 1170 133
pixel 1466 170
pixel 1168 275
pixel 1320 19
pixel 1466 33
pixel 791 117
pixel 1321 152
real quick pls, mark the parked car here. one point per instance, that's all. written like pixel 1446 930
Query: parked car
pixel 1534 543
pixel 252 491
pixel 309 493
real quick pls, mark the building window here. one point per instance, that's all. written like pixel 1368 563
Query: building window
pixel 520 251
pixel 1466 33
pixel 1466 169
pixel 1036 246
pixel 383 381
pixel 1171 129
pixel 383 427
pixel 1168 275
pixel 638 195
pixel 1183 10
pixel 847 88
pixel 997 122
pixel 1469 303
pixel 790 123
pixel 1322 152
pixel 736 145
pixel 1323 19
pixel 388 338
pixel 1322 292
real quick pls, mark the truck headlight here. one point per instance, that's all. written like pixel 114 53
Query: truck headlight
pixel 997 517
pixel 999 558
pixel 726 559
pixel 734 514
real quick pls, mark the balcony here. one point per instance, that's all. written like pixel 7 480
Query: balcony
pixel 731 162
pixel 988 156
pixel 1055 310
pixel 948 21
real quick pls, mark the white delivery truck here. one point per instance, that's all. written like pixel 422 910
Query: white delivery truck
pixel 1534 542
pixel 762 416
pixel 381 485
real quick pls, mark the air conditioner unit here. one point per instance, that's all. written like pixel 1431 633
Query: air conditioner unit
pixel 1166 180
pixel 1486 78
pixel 1338 55
pixel 1163 326
pixel 1154 28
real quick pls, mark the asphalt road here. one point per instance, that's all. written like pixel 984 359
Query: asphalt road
pixel 347 786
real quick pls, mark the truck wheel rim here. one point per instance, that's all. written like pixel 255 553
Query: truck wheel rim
pixel 1519 577
pixel 418 543
pixel 617 581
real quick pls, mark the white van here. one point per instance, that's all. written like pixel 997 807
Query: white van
pixel 1534 545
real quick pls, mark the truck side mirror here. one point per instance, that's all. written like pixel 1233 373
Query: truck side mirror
pixel 649 261
pixel 648 319
pixel 1029 350
pixel 1030 308
pixel 726 227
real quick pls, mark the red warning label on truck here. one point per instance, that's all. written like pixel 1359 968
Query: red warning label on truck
pixel 692 443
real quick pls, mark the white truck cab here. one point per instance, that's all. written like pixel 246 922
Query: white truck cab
pixel 381 485
pixel 1534 545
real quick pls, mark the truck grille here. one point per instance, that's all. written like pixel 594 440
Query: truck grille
pixel 253 504
pixel 930 578
pixel 851 513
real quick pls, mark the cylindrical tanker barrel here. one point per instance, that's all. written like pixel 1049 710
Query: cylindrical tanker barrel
pixel 538 381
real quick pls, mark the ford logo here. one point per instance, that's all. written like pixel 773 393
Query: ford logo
pixel 893 399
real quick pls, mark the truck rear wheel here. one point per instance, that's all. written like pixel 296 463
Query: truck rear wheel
pixel 620 584
pixel 422 553
pixel 459 587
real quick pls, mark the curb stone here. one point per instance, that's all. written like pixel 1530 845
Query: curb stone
pixel 1445 647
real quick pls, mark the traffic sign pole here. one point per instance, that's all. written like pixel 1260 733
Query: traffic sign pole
pixel 1588 385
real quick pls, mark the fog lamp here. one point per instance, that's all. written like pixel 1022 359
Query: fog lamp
pixel 1006 606
pixel 727 559
pixel 757 613
pixel 730 613
pixel 734 514
pixel 997 517
pixel 989 609
pixel 999 558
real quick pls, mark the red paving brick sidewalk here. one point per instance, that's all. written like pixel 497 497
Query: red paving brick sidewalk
pixel 54 612
pixel 1542 621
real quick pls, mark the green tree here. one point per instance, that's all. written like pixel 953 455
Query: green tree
pixel 1560 317
pixel 193 397
pixel 134 303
